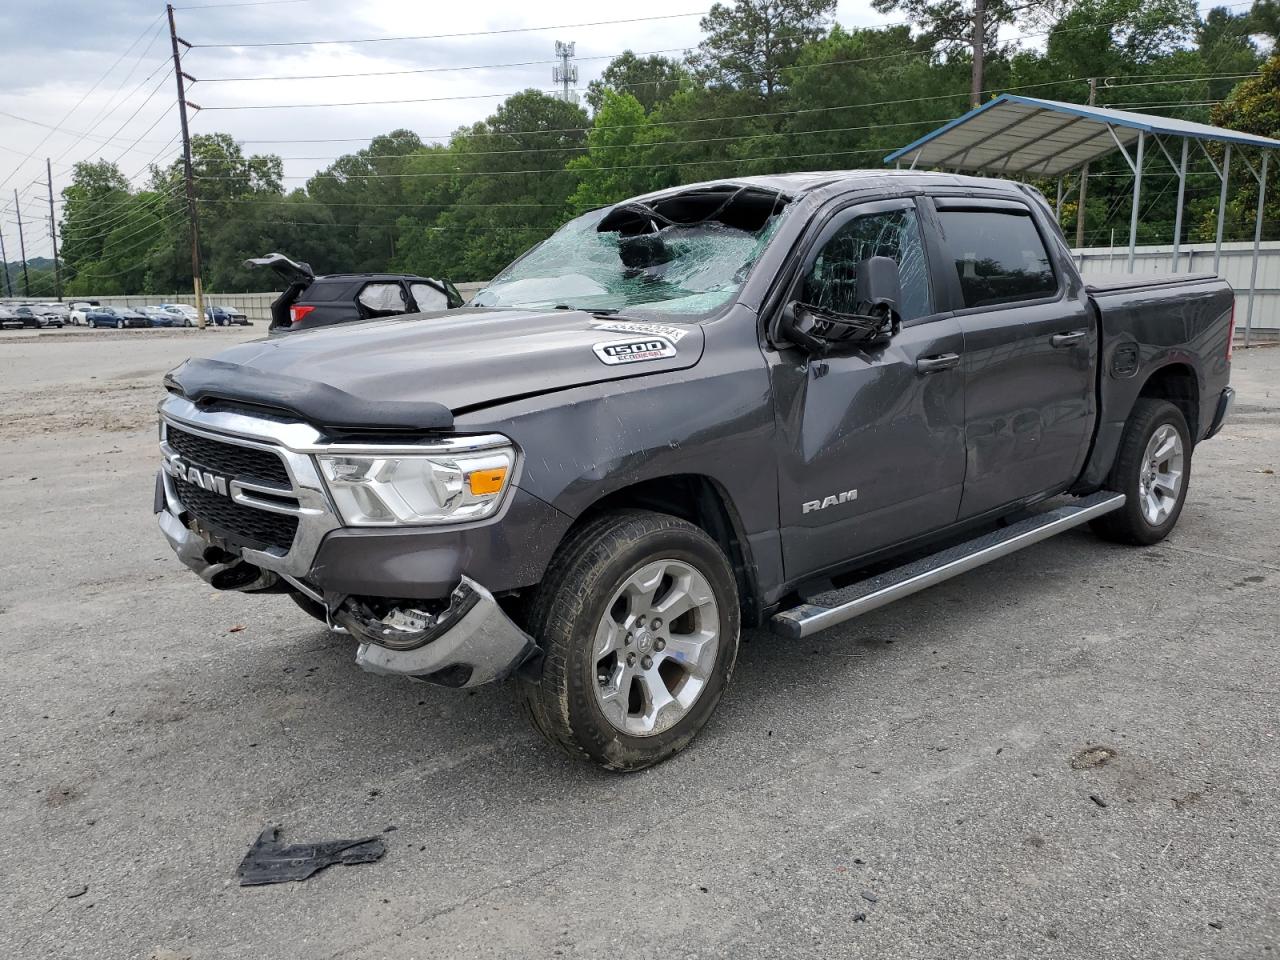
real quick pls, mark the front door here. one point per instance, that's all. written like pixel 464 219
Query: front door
pixel 1030 349
pixel 872 441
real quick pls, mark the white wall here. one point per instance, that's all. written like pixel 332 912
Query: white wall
pixel 1236 266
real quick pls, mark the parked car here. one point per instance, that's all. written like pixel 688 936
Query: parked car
pixel 218 316
pixel 310 301
pixel 78 310
pixel 36 315
pixel 8 318
pixel 117 317
pixel 187 313
pixel 782 400
pixel 238 317
pixel 160 317
pixel 58 309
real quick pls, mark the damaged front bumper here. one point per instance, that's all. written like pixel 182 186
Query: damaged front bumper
pixel 468 642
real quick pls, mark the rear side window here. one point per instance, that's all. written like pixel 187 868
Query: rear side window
pixel 998 257
pixel 383 297
pixel 428 297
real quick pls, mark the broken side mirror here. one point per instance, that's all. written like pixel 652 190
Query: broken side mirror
pixel 878 290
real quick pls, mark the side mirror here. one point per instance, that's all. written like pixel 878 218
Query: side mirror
pixel 879 285
pixel 877 291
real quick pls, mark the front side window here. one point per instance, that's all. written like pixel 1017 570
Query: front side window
pixel 831 281
pixel 999 257
pixel 428 297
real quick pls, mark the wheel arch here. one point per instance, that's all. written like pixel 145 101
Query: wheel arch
pixel 1178 383
pixel 702 501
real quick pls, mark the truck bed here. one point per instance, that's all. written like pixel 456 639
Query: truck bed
pixel 1104 283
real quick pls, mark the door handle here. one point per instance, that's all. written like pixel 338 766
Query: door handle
pixel 1068 339
pixel 943 361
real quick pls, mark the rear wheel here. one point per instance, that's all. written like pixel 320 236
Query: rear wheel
pixel 638 618
pixel 1152 469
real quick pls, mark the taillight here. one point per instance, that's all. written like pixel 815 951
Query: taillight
pixel 297 313
pixel 1231 329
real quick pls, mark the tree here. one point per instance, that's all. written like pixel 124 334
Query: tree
pixel 1253 107
pixel 616 163
pixel 950 26
pixel 750 44
pixel 651 80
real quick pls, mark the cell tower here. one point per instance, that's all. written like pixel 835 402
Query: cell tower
pixel 566 73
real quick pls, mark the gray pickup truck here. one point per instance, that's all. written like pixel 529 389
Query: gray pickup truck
pixel 778 401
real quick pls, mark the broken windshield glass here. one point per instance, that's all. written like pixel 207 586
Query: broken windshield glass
pixel 685 254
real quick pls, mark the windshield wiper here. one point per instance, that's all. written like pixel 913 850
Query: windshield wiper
pixel 596 311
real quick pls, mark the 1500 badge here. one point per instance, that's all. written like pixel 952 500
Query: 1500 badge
pixel 634 351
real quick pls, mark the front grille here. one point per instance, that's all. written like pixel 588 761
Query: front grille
pixel 245 526
pixel 228 459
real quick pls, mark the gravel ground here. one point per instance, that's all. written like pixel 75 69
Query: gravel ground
pixel 1070 753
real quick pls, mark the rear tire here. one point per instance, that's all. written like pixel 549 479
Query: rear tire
pixel 1153 469
pixel 622 685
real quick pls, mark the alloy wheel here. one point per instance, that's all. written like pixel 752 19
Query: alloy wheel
pixel 1160 481
pixel 655 647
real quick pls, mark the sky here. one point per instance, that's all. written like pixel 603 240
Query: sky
pixel 93 79
pixel 101 72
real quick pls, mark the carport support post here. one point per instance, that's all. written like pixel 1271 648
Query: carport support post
pixel 1057 210
pixel 1257 240
pixel 1222 209
pixel 1137 196
pixel 1182 192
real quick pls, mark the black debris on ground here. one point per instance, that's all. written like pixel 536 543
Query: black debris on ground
pixel 269 861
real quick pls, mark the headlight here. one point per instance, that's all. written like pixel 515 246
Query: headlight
pixel 399 489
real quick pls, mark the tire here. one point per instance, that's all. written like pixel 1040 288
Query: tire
pixel 1147 518
pixel 591 580
pixel 119 324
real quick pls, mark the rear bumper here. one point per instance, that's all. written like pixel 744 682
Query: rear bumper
pixel 1225 400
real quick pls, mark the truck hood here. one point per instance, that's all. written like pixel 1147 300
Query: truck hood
pixel 415 372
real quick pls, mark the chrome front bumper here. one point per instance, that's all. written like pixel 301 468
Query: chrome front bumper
pixel 476 644
pixel 470 643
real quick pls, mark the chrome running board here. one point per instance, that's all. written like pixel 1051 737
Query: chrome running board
pixel 837 606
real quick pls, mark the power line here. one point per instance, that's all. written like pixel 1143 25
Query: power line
pixel 450 36
pixel 458 69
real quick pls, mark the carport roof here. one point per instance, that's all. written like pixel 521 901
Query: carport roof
pixel 1013 134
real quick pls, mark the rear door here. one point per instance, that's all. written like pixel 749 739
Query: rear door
pixel 1030 348
pixel 871 440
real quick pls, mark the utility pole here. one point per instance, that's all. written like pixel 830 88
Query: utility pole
pixel 53 233
pixel 188 173
pixel 1084 176
pixel 8 282
pixel 979 42
pixel 22 248
pixel 566 74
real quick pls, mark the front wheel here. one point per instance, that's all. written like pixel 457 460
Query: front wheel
pixel 1152 468
pixel 119 324
pixel 638 620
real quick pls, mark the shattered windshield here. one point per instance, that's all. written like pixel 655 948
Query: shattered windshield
pixel 685 254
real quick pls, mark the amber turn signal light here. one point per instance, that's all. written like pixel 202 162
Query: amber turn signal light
pixel 482 482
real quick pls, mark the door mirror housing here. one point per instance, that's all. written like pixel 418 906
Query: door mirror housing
pixel 820 331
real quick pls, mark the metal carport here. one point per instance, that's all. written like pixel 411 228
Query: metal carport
pixel 1048 138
